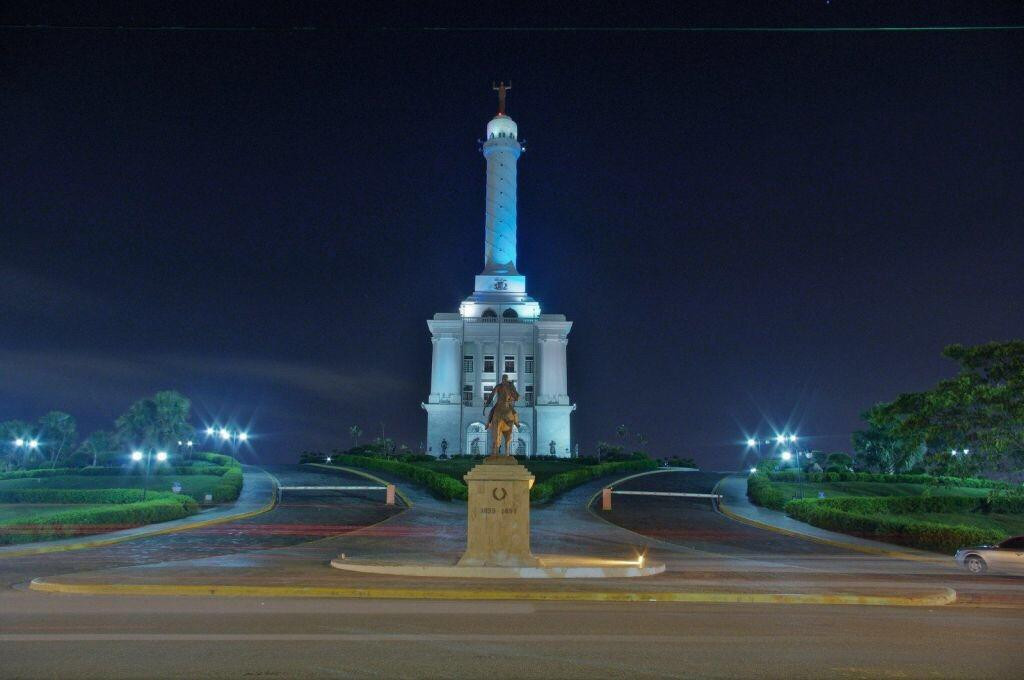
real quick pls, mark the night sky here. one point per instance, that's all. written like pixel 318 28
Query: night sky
pixel 749 230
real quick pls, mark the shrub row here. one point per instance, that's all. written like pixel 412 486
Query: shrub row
pixel 762 492
pixel 564 481
pixel 902 505
pixel 94 520
pixel 161 470
pixel 817 477
pixel 899 530
pixel 78 496
pixel 229 486
pixel 439 484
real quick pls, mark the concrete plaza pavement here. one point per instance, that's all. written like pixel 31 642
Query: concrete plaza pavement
pixel 103 636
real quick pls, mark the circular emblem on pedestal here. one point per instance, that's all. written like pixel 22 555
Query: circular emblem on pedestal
pixel 499 493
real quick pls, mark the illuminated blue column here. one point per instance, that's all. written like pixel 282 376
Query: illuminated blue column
pixel 502 150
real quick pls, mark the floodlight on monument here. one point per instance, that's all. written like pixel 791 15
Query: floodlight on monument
pixel 19 442
pixel 136 456
pixel 786 455
pixel 161 456
pixel 33 443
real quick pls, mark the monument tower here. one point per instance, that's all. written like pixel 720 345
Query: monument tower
pixel 499 330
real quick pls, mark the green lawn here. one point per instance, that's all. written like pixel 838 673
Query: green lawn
pixel 17 511
pixel 843 489
pixel 196 486
pixel 541 469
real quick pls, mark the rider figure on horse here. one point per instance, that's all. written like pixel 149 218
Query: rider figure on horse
pixel 503 416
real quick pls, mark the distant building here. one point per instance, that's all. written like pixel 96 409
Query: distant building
pixel 499 329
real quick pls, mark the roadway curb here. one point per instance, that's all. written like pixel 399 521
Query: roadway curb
pixel 101 542
pixel 361 473
pixel 898 554
pixel 937 598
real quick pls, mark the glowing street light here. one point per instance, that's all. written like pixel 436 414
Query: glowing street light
pixel 224 434
pixel 33 443
pixel 161 456
pixel 792 438
pixel 243 436
pixel 19 442
pixel 780 438
pixel 751 443
pixel 786 455
pixel 210 431
pixel 136 456
pixel 753 470
pixel 328 459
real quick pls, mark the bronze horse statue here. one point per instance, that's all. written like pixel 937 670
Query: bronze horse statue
pixel 503 418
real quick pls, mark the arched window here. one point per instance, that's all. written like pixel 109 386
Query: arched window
pixel 510 314
pixel 489 314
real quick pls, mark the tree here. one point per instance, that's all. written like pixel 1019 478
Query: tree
pixel 57 434
pixel 980 411
pixel 100 446
pixel 156 423
pixel 622 432
pixel 355 432
pixel 11 430
pixel 884 446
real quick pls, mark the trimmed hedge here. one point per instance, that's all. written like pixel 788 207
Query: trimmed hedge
pixel 439 484
pixel 95 520
pixel 564 481
pixel 449 488
pixel 762 492
pixel 229 486
pixel 902 531
pixel 78 496
pixel 943 480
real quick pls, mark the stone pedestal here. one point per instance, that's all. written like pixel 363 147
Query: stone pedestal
pixel 498 527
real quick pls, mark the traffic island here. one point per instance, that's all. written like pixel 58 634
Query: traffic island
pixel 498 538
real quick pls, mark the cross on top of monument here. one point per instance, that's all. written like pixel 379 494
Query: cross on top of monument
pixel 501 90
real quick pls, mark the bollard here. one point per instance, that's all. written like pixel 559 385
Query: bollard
pixel 606 498
pixel 391 494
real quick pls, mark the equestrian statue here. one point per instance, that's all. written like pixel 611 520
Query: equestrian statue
pixel 503 417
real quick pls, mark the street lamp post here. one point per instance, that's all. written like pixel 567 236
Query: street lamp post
pixel 137 455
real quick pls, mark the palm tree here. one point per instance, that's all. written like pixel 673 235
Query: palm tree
pixel 101 444
pixel 356 432
pixel 157 422
pixel 57 434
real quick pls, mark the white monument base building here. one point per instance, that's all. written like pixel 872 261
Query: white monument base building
pixel 499 330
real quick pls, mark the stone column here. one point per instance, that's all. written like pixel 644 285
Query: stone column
pixel 502 151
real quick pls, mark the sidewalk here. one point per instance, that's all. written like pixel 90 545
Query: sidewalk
pixel 259 494
pixel 737 506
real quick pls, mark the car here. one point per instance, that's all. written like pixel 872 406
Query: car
pixel 1007 556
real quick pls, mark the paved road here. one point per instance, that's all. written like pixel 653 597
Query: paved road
pixel 693 521
pixel 298 518
pixel 240 638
